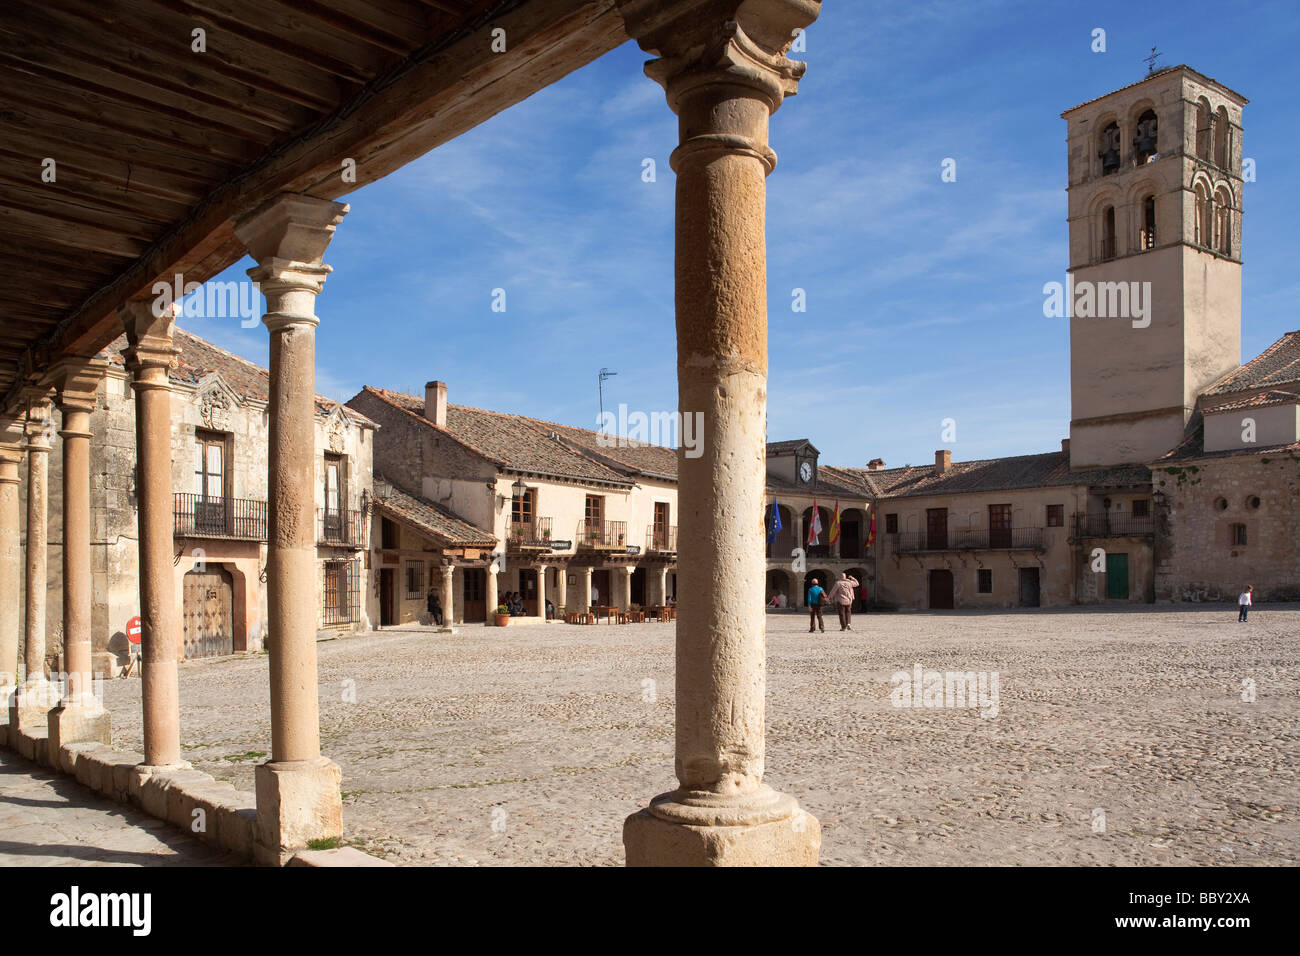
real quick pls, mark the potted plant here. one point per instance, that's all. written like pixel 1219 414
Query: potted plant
pixel 501 616
pixel 620 540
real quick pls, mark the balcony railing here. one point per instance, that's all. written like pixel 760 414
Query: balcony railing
pixel 194 516
pixel 341 527
pixel 597 534
pixel 979 539
pixel 1111 525
pixel 530 534
pixel 661 538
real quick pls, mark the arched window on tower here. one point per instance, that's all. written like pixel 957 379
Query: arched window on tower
pixel 1147 236
pixel 1108 233
pixel 1202 218
pixel 1222 139
pixel 1144 143
pixel 1223 222
pixel 1108 149
pixel 1204 129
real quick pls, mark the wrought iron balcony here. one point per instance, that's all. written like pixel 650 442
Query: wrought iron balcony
pixel 530 534
pixel 607 535
pixel 340 527
pixel 1107 524
pixel 979 539
pixel 194 516
pixel 661 538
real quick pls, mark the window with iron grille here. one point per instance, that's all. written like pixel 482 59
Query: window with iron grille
pixel 891 524
pixel 414 580
pixel 1238 534
pixel 1055 516
pixel 341 601
pixel 985 578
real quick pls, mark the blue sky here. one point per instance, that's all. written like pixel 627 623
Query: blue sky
pixel 924 298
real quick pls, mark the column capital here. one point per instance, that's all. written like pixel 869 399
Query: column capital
pixel 38 425
pixel 736 42
pixel 151 349
pixel 75 379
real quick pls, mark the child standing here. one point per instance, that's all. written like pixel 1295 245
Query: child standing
pixel 1243 602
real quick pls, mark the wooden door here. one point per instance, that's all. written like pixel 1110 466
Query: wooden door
pixel 209 603
pixel 387 616
pixel 474 595
pixel 936 530
pixel 1030 594
pixel 1116 576
pixel 940 590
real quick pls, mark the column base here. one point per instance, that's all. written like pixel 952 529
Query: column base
pixel 297 801
pixel 77 724
pixel 686 828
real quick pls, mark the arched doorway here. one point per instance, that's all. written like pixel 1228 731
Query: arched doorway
pixel 209 613
pixel 823 548
pixel 824 578
pixel 862 593
pixel 780 582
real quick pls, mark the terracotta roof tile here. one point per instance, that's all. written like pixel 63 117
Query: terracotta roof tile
pixel 1279 364
pixel 438 523
pixel 1000 474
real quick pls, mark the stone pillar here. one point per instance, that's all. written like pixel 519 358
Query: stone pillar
pixel 561 589
pixel 80 717
pixel 11 457
pixel 297 789
pixel 662 596
pixel 725 73
pixel 541 591
pixel 492 594
pixel 150 354
pixel 625 597
pixel 584 592
pixel 448 597
pixel 35 696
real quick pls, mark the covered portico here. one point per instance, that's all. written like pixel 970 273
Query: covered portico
pixel 150 165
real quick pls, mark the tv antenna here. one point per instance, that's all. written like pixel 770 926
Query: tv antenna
pixel 600 388
pixel 1150 61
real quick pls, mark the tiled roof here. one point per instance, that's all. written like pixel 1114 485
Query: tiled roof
pixel 634 458
pixel 432 520
pixel 1279 364
pixel 1271 397
pixel 1155 73
pixel 999 474
pixel 830 482
pixel 1193 447
pixel 511 441
pixel 790 444
pixel 198 358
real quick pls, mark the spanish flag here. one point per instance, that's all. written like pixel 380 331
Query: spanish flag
pixel 871 538
pixel 835 523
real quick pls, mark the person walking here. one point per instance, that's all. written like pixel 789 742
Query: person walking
pixel 1244 602
pixel 815 596
pixel 841 595
pixel 434 604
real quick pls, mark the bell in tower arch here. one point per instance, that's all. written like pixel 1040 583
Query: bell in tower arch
pixel 1144 144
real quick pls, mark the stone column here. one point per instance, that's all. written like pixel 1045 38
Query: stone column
pixel 625 598
pixel 11 457
pixel 297 789
pixel 662 597
pixel 724 72
pixel 541 591
pixel 35 696
pixel 584 592
pixel 448 597
pixel 561 589
pixel 150 354
pixel 492 594
pixel 80 717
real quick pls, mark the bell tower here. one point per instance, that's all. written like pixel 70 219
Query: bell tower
pixel 1154 298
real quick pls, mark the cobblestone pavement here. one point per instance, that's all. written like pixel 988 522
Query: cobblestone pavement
pixel 49 820
pixel 530 745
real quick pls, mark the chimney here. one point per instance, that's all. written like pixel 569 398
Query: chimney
pixel 1065 445
pixel 876 464
pixel 942 460
pixel 435 403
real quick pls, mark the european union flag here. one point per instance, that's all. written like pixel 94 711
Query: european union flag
pixel 774 525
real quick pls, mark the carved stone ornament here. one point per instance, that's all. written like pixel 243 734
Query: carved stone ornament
pixel 214 409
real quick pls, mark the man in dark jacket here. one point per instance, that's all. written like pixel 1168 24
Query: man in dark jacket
pixel 435 607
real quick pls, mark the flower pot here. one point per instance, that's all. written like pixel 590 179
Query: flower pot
pixel 501 619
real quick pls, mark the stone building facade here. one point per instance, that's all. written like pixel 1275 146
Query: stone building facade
pixel 219 440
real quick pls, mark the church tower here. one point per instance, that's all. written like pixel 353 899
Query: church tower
pixel 1155 201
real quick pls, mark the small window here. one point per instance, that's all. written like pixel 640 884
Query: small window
pixel 1142 508
pixel 1055 516
pixel 414 580
pixel 891 524
pixel 1220 504
pixel 1146 140
pixel 1108 250
pixel 1253 502
pixel 388 534
pixel 1238 535
pixel 1147 237
pixel 985 580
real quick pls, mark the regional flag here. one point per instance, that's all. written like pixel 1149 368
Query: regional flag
pixel 815 526
pixel 871 538
pixel 774 525
pixel 835 523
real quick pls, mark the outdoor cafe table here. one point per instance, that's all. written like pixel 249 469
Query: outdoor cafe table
pixel 607 612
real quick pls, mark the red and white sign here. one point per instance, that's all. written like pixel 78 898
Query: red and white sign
pixel 133 630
